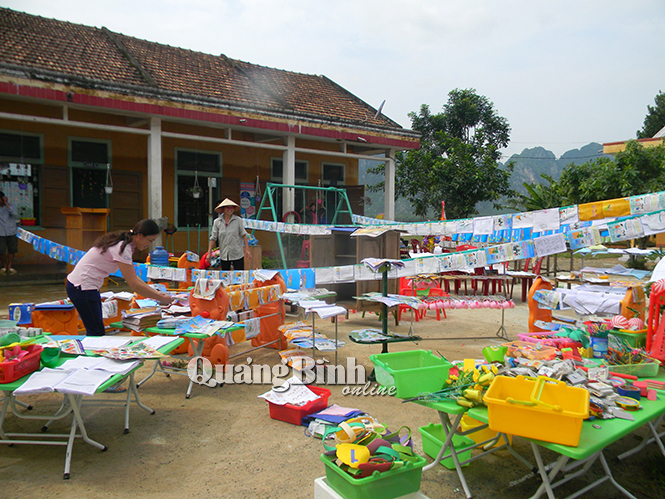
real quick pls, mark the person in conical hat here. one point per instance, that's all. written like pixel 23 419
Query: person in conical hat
pixel 229 235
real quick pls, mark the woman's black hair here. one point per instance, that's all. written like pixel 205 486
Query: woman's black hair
pixel 145 227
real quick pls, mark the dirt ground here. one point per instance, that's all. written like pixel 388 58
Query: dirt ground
pixel 222 443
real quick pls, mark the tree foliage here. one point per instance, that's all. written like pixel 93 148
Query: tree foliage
pixel 458 157
pixel 539 196
pixel 655 119
pixel 635 170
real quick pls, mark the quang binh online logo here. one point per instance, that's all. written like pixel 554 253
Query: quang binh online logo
pixel 305 371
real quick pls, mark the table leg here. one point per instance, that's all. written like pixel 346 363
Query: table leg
pixel 656 437
pixel 198 344
pixel 75 402
pixel 133 391
pixel 449 430
pixel 546 485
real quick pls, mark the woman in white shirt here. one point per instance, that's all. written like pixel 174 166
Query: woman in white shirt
pixel 110 253
pixel 229 234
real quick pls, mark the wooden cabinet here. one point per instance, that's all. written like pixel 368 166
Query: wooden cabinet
pixel 339 249
pixel 84 226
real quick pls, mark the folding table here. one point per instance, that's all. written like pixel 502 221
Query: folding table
pixel 450 414
pixel 71 405
pixel 593 442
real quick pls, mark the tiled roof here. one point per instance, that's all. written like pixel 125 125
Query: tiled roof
pixel 66 52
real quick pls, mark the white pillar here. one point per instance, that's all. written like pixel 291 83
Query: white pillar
pixel 155 172
pixel 389 189
pixel 289 174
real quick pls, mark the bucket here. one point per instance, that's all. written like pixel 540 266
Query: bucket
pixel 599 346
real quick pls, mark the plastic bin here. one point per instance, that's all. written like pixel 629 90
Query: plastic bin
pixel 644 370
pixel 433 438
pixel 15 369
pixel 385 485
pixel 532 351
pixel 531 408
pixel 411 373
pixel 636 339
pixel 294 413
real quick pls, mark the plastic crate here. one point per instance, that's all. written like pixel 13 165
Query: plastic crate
pixel 381 484
pixel 531 408
pixel 549 339
pixel 15 369
pixel 636 339
pixel 412 372
pixel 433 438
pixel 644 370
pixel 294 413
pixel 532 351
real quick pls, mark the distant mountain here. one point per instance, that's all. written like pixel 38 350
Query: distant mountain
pixel 529 165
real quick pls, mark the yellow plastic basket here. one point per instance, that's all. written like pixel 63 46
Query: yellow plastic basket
pixel 539 408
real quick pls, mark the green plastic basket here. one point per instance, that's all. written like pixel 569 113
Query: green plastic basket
pixel 644 370
pixel 385 484
pixel 412 373
pixel 433 438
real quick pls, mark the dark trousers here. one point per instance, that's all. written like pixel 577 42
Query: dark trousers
pixel 237 264
pixel 88 303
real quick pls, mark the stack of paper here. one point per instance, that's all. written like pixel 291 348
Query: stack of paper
pixel 142 318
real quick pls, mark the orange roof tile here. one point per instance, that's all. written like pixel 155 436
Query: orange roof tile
pixel 65 52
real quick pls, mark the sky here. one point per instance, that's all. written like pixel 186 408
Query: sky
pixel 563 73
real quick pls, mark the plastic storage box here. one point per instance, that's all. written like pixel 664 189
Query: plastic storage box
pixel 294 413
pixel 531 408
pixel 532 351
pixel 385 484
pixel 15 369
pixel 411 373
pixel 433 438
pixel 637 339
pixel 644 370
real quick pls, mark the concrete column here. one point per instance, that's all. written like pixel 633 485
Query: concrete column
pixel 289 174
pixel 155 173
pixel 389 189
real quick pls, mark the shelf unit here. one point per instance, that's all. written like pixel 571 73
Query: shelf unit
pixel 84 226
pixel 339 248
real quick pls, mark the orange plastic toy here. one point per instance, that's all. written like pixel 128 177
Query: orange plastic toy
pixel 536 313
pixel 56 321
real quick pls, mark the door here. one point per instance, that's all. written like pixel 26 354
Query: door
pixel 125 201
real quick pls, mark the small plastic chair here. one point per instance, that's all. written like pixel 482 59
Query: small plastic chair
pixel 303 263
pixel 407 291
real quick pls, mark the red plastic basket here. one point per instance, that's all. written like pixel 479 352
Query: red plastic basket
pixel 15 369
pixel 294 413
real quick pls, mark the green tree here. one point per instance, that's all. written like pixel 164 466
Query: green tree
pixel 458 158
pixel 539 196
pixel 635 170
pixel 655 119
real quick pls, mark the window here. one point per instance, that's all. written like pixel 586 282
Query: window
pixel 277 171
pixel 89 153
pixel 21 147
pixel 19 175
pixel 333 174
pixel 88 159
pixel 193 168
